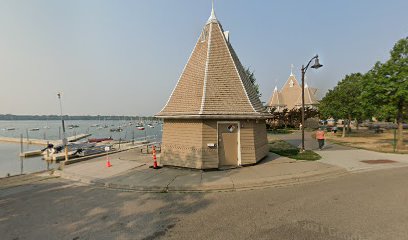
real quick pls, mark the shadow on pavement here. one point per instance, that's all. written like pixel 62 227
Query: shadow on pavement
pixel 57 209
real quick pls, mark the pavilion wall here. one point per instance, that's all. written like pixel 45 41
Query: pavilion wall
pixel 184 142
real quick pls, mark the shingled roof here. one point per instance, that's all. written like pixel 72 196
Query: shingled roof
pixel 213 83
pixel 290 96
pixel 276 99
pixel 310 99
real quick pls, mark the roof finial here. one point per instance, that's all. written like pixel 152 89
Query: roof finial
pixel 291 70
pixel 212 18
pixel 306 80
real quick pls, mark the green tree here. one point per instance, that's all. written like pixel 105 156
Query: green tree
pixel 344 101
pixel 252 78
pixel 386 87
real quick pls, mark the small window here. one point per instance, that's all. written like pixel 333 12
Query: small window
pixel 203 35
pixel 231 128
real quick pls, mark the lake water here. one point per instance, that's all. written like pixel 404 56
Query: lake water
pixel 11 163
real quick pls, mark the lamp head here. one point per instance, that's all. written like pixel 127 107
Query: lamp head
pixel 317 65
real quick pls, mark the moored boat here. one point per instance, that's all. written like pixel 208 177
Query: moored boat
pixel 96 140
pixel 119 129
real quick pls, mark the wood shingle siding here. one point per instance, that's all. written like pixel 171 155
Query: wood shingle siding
pixel 182 143
pixel 186 97
pixel 213 91
pixel 185 143
pixel 213 82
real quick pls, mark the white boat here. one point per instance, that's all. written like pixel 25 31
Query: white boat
pixel 34 129
pixel 46 125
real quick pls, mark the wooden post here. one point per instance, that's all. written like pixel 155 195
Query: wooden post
pixel 21 165
pixel 27 135
pixel 21 143
pixel 21 151
pixel 48 156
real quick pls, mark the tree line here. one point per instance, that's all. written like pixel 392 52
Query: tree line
pixel 380 93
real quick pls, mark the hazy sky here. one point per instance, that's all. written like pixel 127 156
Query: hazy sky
pixel 125 57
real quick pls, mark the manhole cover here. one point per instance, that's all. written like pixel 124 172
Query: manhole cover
pixel 378 161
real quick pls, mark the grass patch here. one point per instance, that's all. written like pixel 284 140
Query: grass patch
pixel 367 139
pixel 283 148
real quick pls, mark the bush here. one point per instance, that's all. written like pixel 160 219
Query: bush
pixel 279 131
pixel 312 123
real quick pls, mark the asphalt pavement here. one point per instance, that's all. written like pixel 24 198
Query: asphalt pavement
pixel 368 205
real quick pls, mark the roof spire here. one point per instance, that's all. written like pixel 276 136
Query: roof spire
pixel 212 18
pixel 306 78
pixel 291 70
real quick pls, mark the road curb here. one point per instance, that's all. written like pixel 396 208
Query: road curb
pixel 262 183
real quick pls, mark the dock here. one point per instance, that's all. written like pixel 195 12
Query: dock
pixel 31 153
pixel 42 141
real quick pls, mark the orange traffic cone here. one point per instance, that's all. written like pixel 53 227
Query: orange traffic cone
pixel 108 164
pixel 154 158
pixel 155 161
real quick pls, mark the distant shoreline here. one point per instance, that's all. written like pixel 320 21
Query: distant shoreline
pixel 10 117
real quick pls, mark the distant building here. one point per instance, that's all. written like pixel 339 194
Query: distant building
pixel 214 117
pixel 290 96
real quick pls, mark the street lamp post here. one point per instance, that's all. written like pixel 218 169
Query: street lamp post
pixel 316 65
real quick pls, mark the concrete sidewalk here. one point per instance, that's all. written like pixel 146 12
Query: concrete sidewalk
pixel 131 171
pixel 345 157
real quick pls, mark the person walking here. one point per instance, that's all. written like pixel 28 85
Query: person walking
pixel 334 129
pixel 320 137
